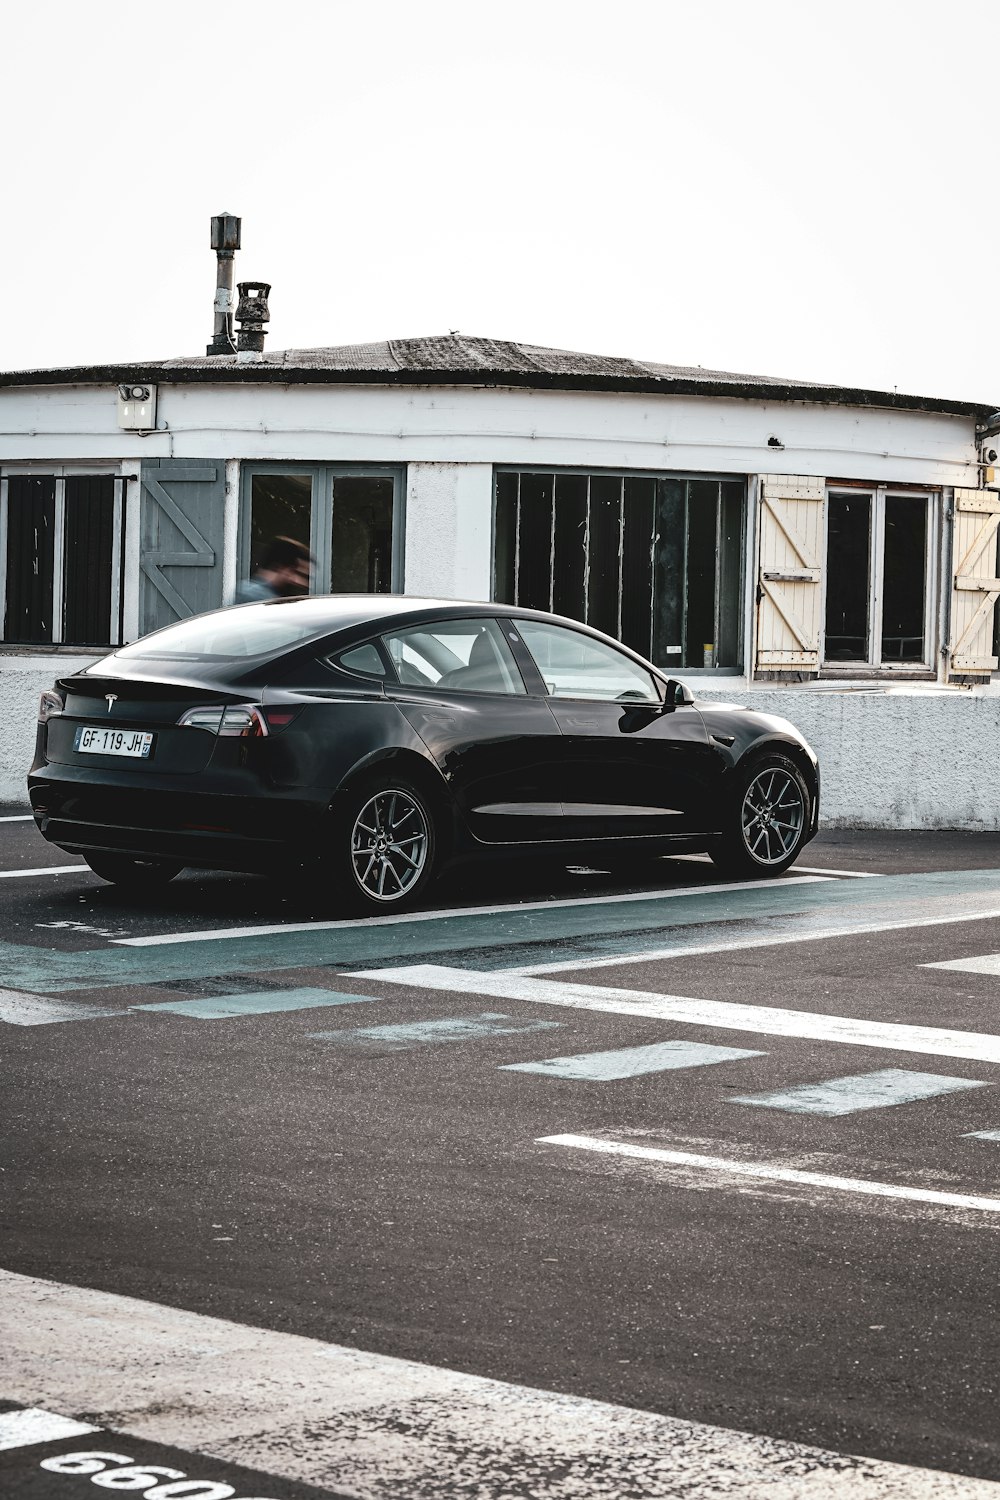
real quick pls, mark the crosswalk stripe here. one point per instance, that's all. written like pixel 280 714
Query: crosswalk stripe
pixel 859 1091
pixel 765 1020
pixel 771 1172
pixel 31 1425
pixel 631 1062
pixel 431 1033
pixel 371 1425
pixel 258 1003
pixel 985 963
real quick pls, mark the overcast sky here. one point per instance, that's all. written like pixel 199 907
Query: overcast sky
pixel 769 187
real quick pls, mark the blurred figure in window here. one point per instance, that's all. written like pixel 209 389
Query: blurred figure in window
pixel 284 570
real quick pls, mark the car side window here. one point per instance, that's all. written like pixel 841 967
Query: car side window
pixel 573 665
pixel 365 660
pixel 463 656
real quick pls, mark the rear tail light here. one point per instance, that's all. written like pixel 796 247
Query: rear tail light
pixel 238 721
pixel 51 702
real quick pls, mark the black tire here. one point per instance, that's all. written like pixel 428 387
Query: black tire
pixel 139 874
pixel 767 820
pixel 385 845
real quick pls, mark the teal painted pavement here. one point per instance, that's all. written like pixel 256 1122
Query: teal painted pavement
pixel 565 933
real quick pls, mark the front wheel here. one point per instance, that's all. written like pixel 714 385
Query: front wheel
pixel 386 846
pixel 140 874
pixel 767 820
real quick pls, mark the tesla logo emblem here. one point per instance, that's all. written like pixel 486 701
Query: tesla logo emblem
pixel 109 699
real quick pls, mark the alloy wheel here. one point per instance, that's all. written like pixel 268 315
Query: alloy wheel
pixel 773 816
pixel 389 845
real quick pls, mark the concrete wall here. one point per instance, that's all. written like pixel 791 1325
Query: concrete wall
pixel 893 759
pixel 22 679
pixel 449 530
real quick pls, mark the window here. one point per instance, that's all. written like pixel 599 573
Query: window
pixel 464 656
pixel 878 560
pixel 252 630
pixel 350 521
pixel 574 666
pixel 655 561
pixel 61 569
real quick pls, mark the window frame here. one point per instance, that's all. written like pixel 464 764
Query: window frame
pixel 323 476
pixel 59 473
pixel 874 663
pixel 740 619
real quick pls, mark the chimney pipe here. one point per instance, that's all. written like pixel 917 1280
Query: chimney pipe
pixel 251 314
pixel 225 243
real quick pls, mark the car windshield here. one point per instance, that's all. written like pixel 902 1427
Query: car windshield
pixel 251 630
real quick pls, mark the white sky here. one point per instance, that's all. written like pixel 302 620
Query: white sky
pixel 777 188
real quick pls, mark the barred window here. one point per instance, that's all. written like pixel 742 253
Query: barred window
pixel 655 561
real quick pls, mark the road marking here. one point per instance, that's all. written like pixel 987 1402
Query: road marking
pixel 259 1003
pixel 371 1425
pixel 632 1062
pixel 985 963
pixel 766 940
pixel 840 874
pixel 764 1019
pixel 45 870
pixel 20 1009
pixel 847 1096
pixel 158 940
pixel 22 1429
pixel 982 1135
pixel 18 818
pixel 771 1172
pixel 431 1033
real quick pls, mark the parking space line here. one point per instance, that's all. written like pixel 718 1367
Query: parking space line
pixel 45 870
pixel 18 1008
pixel 632 1062
pixel 431 1033
pixel 258 1003
pixel 840 874
pixel 981 1135
pixel 771 1172
pixel 859 1091
pixel 157 940
pixel 17 818
pixel 766 1020
pixel 984 963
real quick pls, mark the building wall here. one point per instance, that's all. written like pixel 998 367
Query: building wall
pixel 485 426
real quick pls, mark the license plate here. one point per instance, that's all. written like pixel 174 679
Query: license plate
pixel 134 742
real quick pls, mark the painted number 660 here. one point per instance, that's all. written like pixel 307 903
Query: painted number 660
pixel 144 1477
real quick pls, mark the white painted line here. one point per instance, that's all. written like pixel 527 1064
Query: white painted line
pixel 860 1091
pixel 985 963
pixel 46 870
pixel 371 1426
pixel 18 818
pixel 739 944
pixel 771 1172
pixel 632 1062
pixel 20 1429
pixel 841 874
pixel 20 1009
pixel 765 1020
pixel 982 1135
pixel 272 928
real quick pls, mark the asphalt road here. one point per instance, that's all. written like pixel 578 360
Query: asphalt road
pixel 707 1152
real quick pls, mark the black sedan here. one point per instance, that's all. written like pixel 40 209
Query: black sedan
pixel 371 740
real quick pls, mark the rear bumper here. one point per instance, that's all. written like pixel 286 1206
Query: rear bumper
pixel 226 832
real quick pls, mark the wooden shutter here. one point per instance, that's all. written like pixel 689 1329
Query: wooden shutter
pixel 181 540
pixel 792 512
pixel 975 586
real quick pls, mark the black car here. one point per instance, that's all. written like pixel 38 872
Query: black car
pixel 374 739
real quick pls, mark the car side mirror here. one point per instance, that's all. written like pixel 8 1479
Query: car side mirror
pixel 677 695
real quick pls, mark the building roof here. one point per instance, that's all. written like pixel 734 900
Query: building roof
pixel 458 359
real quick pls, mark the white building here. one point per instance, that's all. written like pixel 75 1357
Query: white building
pixel 826 553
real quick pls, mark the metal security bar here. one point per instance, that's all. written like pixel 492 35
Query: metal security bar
pixel 655 561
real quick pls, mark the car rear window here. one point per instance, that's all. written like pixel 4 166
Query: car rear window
pixel 250 630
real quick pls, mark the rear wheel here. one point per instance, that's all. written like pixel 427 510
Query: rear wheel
pixel 767 820
pixel 140 874
pixel 386 845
